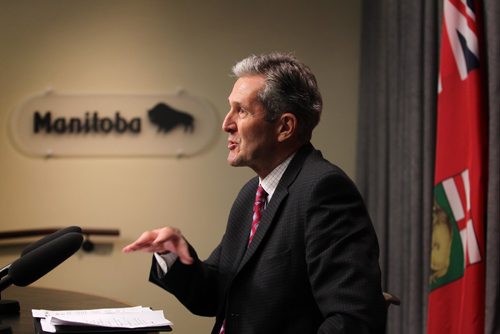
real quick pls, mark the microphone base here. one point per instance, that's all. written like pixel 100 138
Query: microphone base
pixel 9 307
pixel 4 329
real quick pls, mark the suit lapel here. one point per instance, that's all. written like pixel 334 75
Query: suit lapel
pixel 265 223
pixel 236 237
pixel 269 215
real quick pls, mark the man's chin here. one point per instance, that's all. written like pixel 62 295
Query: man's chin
pixel 234 161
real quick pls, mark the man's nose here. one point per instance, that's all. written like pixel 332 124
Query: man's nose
pixel 228 124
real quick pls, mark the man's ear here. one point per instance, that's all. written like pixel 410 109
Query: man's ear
pixel 287 126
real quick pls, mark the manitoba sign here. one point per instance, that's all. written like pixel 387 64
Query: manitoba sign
pixel 65 125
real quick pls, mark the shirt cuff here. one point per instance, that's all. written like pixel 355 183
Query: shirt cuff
pixel 165 261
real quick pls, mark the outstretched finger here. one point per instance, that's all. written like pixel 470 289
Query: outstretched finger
pixel 144 242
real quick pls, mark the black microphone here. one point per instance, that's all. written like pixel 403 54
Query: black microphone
pixel 4 270
pixel 51 237
pixel 39 261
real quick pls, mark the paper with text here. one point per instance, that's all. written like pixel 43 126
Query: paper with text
pixel 128 317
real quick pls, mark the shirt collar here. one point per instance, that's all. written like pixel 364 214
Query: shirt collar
pixel 271 181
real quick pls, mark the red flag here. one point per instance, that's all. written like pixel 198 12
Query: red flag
pixel 457 281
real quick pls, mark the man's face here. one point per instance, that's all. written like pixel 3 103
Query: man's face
pixel 251 140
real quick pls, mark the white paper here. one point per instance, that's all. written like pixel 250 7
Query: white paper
pixel 128 317
pixel 40 313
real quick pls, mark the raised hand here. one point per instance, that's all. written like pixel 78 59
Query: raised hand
pixel 162 240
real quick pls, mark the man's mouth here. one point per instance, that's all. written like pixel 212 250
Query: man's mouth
pixel 231 144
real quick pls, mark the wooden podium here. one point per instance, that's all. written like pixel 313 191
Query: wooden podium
pixel 50 299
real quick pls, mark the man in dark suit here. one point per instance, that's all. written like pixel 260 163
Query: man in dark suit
pixel 305 262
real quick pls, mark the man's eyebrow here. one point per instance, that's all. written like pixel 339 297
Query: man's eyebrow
pixel 238 104
pixel 233 101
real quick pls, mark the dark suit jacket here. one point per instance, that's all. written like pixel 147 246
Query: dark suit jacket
pixel 312 266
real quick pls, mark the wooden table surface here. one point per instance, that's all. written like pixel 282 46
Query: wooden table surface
pixel 50 299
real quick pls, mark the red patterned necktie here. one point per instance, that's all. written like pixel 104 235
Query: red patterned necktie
pixel 258 206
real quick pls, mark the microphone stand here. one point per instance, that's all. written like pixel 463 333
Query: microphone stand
pixel 5 329
pixel 7 307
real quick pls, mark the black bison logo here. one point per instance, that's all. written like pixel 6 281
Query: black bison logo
pixel 167 118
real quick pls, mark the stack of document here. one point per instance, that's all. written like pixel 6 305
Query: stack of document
pixel 128 319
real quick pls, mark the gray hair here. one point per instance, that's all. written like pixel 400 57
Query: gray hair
pixel 290 86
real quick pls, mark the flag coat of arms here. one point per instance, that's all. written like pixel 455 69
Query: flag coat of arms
pixel 457 281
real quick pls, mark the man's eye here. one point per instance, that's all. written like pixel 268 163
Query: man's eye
pixel 242 112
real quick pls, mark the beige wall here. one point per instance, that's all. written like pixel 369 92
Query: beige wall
pixel 145 46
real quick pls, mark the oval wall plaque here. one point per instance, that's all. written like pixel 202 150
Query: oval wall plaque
pixel 79 125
